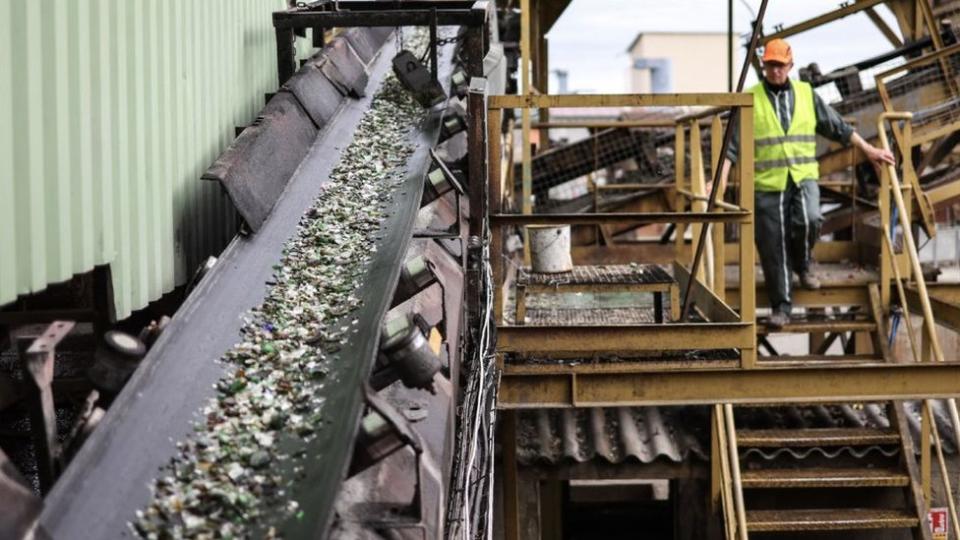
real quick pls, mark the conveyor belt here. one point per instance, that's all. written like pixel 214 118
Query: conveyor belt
pixel 108 480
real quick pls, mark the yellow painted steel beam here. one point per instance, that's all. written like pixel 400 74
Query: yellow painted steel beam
pixel 946 292
pixel 824 297
pixel 946 314
pixel 865 382
pixel 821 20
pixel 619 218
pixel 572 340
pixel 884 28
pixel 943 193
pixel 603 124
pixel 619 100
pixel 713 308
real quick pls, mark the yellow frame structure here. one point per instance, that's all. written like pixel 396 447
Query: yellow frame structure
pixel 712 334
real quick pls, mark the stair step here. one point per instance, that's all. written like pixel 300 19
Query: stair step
pixel 807 327
pixel 832 519
pixel 773 438
pixel 823 477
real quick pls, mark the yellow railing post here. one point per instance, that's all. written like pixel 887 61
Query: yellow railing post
pixel 697 187
pixel 747 251
pixel 739 507
pixel 722 470
pixel 679 169
pixel 495 204
pixel 719 262
pixel 525 152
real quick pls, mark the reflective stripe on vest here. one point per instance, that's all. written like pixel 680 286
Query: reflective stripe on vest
pixel 780 155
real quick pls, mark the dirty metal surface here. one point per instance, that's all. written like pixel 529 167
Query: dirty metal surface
pixel 825 477
pixel 830 275
pixel 829 520
pixel 621 274
pixel 162 399
pixel 257 166
pixel 590 316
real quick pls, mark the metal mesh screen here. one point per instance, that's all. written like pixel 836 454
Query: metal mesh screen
pixel 602 171
pixel 931 90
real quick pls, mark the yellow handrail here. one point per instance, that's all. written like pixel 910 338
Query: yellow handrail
pixel 929 323
pixel 735 472
pixel 911 246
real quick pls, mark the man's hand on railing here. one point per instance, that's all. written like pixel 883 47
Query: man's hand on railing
pixel 877 156
pixel 724 175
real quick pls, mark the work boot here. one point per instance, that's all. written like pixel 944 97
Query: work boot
pixel 778 320
pixel 809 281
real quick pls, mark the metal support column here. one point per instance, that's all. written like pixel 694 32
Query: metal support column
pixel 511 499
pixel 286 55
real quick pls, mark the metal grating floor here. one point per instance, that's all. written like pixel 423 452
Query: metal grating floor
pixel 621 274
pixel 591 316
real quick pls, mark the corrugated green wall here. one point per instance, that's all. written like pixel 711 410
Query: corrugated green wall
pixel 110 110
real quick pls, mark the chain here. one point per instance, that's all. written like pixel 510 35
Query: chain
pixel 448 41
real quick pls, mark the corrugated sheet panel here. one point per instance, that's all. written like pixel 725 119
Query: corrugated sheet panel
pixel 614 434
pixel 110 110
pixel 676 434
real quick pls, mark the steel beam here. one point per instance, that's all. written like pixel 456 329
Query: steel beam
pixel 865 382
pixel 820 20
pixel 619 218
pixel 946 313
pixel 385 18
pixel 534 101
pixel 563 340
pixel 848 295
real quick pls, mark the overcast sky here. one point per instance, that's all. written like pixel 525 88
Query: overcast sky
pixel 591 37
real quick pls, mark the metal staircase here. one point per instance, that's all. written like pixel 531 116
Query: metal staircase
pixel 872 482
pixel 859 478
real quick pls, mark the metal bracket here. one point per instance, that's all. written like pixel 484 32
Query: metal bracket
pixel 406 435
pixel 37 366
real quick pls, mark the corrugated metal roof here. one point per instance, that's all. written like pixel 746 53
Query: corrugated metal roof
pixel 614 434
pixel 676 434
pixel 109 113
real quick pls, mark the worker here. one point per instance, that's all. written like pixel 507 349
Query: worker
pixel 787 116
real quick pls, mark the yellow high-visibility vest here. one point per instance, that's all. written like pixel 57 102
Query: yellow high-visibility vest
pixel 780 155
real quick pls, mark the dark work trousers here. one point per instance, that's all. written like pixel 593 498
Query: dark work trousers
pixel 787 227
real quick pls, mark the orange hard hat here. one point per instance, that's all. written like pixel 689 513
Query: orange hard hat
pixel 777 50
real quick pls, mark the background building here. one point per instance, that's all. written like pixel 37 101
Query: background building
pixel 679 62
